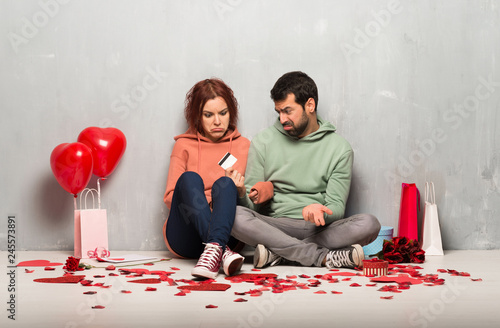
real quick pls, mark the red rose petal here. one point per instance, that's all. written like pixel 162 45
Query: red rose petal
pixel 63 280
pixel 180 294
pixel 110 267
pixel 256 269
pixel 210 306
pixel 240 300
pixel 29 271
pixel 478 279
pixel 126 291
pixel 150 289
pixel 174 268
pixel 386 297
pixel 149 263
pixel 335 292
pixel 90 292
pixel 355 285
pixel 99 276
pixel 304 276
pixel 146 281
pixel 370 285
pixel 39 263
pixel 320 292
pixel 113 274
pixel 49 269
pixel 98 307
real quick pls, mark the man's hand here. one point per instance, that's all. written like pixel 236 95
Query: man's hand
pixel 238 179
pixel 315 213
pixel 254 195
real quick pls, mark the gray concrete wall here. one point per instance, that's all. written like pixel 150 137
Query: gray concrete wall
pixel 413 85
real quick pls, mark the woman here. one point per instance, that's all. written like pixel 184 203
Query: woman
pixel 200 194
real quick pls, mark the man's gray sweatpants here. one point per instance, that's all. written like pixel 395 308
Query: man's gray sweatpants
pixel 302 241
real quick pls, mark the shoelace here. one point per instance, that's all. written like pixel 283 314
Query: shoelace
pixel 338 259
pixel 210 257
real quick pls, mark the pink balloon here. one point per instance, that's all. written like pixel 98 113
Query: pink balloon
pixel 107 146
pixel 72 165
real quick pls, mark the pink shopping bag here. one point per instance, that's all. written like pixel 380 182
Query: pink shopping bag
pixel 91 231
pixel 408 211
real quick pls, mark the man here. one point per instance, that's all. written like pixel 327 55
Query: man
pixel 298 178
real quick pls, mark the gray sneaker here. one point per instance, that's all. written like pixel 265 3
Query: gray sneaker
pixel 263 257
pixel 348 257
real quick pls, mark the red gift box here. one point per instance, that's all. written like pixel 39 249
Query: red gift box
pixel 375 267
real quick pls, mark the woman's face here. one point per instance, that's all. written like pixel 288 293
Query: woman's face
pixel 215 119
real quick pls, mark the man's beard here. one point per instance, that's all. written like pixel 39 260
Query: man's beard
pixel 300 128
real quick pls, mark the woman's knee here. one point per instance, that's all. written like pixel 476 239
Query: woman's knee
pixel 223 184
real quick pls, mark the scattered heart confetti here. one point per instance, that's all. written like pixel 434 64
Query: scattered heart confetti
pixel 90 292
pixel 86 282
pixel 240 300
pixel 336 292
pixel 149 263
pixel 386 297
pixel 210 306
pixel 320 292
pixel 146 281
pixel 49 269
pixel 110 267
pixel 150 289
pixel 41 263
pixel 181 293
pixel 113 274
pixel 126 291
pixel 29 271
pixel 174 268
pixel 61 280
pixel 211 286
pixel 99 276
pixel 98 307
pixel 478 279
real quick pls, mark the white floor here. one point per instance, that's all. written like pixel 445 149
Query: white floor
pixel 460 302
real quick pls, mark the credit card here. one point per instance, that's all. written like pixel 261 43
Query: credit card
pixel 227 161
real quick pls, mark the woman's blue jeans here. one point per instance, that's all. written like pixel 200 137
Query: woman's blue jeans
pixel 192 222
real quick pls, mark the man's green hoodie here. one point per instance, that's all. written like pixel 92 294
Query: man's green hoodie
pixel 313 169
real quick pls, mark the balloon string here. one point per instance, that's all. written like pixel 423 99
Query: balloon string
pixel 98 193
pixel 74 202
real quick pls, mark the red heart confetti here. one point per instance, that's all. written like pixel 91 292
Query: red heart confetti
pixel 42 263
pixel 99 276
pixel 29 271
pixel 146 281
pixel 386 297
pixel 354 284
pixel 210 306
pixel 211 286
pixel 49 269
pixel 150 289
pixel 320 292
pixel 336 292
pixel 240 300
pixel 61 280
pixel 110 267
pixel 126 291
pixel 181 293
pixel 98 307
pixel 90 292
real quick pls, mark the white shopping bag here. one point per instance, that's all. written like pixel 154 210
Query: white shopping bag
pixel 431 240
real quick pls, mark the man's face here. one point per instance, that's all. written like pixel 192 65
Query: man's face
pixel 293 116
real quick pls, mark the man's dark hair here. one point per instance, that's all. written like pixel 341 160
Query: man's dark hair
pixel 298 83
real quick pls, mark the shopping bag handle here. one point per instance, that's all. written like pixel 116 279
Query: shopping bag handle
pixel 430 194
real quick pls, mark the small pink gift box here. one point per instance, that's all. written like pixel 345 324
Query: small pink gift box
pixel 375 267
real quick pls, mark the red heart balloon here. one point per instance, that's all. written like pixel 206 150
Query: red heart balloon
pixel 107 146
pixel 72 164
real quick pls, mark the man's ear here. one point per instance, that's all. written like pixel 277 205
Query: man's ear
pixel 310 105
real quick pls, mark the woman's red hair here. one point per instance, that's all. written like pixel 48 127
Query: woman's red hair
pixel 203 91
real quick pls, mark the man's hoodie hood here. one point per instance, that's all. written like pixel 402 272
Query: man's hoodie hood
pixel 324 128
